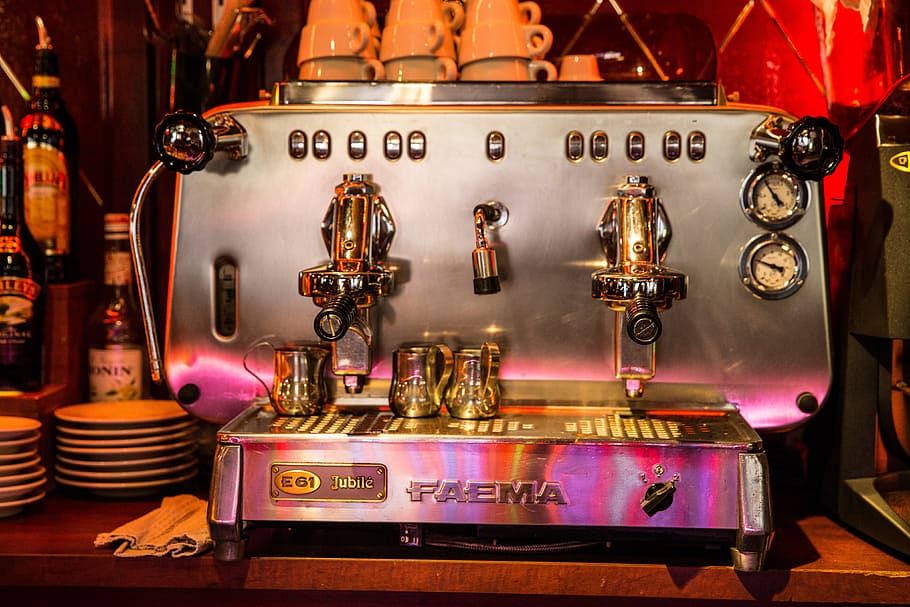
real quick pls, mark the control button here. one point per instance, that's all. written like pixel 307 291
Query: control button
pixel 696 145
pixel 672 145
pixel 322 145
pixel 417 145
pixel 635 146
pixel 496 146
pixel 575 146
pixel 658 496
pixel 600 146
pixel 357 145
pixel 392 146
pixel 297 144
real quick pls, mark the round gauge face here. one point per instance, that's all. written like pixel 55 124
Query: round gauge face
pixel 773 266
pixel 773 197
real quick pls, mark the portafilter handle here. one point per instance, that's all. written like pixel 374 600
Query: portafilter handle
pixel 185 142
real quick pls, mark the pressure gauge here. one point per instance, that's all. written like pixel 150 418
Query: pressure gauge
pixel 773 197
pixel 773 266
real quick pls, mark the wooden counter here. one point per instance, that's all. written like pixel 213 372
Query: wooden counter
pixel 47 557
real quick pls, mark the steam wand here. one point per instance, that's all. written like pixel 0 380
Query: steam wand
pixel 486 271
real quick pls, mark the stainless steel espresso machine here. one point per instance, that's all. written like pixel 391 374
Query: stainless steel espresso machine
pixel 647 259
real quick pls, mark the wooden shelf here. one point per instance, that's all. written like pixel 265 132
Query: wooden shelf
pixel 47 554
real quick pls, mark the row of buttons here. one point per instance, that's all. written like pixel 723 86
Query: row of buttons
pixel 394 145
pixel 415 145
pixel 635 146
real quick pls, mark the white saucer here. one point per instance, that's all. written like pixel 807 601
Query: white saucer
pixel 18 467
pixel 76 431
pixel 125 475
pixel 127 464
pixel 22 477
pixel 121 453
pixel 10 458
pixel 12 426
pixel 19 445
pixel 124 489
pixel 15 507
pixel 122 413
pixel 156 439
pixel 13 492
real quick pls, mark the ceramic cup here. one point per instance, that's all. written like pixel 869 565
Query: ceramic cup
pixel 494 11
pixel 410 38
pixel 332 40
pixel 503 39
pixel 579 68
pixel 508 69
pixel 421 69
pixel 341 11
pixel 341 68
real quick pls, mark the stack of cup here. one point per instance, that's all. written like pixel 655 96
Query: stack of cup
pixel 414 33
pixel 504 40
pixel 334 41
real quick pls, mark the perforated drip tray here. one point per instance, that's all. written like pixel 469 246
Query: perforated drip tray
pixel 562 424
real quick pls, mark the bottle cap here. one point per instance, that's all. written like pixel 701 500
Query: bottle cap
pixel 116 223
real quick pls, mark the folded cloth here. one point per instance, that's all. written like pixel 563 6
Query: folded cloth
pixel 177 528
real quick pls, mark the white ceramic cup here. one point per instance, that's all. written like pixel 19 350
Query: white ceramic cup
pixel 344 11
pixel 409 38
pixel 503 39
pixel 503 69
pixel 421 69
pixel 579 68
pixel 341 69
pixel 478 12
pixel 332 40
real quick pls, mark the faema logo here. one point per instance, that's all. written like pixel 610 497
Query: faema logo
pixel 901 161
pixel 489 491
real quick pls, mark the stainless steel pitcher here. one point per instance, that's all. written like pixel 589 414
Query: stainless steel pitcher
pixel 474 393
pixel 420 376
pixel 298 386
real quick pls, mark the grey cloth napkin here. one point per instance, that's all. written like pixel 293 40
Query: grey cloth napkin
pixel 177 528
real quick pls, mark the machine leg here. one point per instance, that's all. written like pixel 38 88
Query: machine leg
pixel 224 511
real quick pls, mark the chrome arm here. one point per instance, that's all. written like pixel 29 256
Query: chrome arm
pixel 145 299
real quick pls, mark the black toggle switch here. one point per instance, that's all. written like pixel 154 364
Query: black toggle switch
pixel 658 497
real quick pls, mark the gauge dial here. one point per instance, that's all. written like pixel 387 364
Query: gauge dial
pixel 773 197
pixel 773 266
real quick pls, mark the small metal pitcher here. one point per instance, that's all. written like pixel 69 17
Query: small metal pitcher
pixel 419 380
pixel 474 393
pixel 298 384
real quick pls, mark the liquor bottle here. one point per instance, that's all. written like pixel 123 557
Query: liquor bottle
pixel 22 279
pixel 116 356
pixel 51 162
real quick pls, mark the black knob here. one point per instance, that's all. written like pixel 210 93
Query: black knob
pixel 658 497
pixel 184 142
pixel 336 316
pixel 642 321
pixel 812 148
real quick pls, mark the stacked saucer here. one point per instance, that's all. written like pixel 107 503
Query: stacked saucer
pixel 22 476
pixel 125 448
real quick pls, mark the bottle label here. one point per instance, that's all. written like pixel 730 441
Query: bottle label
pixel 47 197
pixel 115 373
pixel 118 268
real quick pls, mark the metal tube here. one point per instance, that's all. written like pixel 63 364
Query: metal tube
pixel 145 299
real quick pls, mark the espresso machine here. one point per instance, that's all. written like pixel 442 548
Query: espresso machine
pixel 642 266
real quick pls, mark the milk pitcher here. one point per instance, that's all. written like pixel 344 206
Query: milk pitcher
pixel 298 386
pixel 474 392
pixel 420 377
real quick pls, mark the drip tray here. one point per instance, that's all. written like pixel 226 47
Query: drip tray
pixel 576 424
